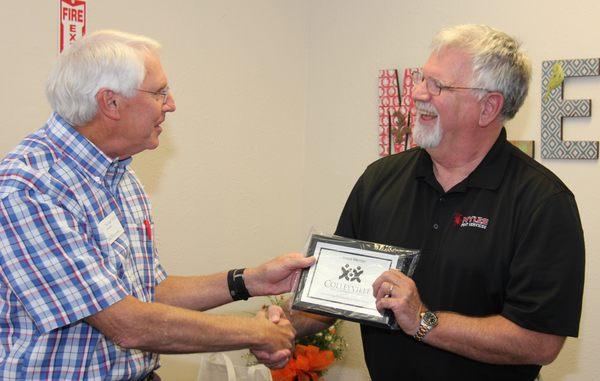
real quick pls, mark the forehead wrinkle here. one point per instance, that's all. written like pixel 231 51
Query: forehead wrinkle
pixel 459 70
pixel 154 73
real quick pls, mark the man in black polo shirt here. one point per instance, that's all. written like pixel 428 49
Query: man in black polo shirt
pixel 500 280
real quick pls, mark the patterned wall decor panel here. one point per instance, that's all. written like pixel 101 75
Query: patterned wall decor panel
pixel 389 104
pixel 555 108
pixel 395 106
pixel 407 108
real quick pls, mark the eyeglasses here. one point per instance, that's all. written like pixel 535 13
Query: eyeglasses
pixel 434 87
pixel 164 93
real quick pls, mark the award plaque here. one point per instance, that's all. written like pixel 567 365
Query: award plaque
pixel 339 283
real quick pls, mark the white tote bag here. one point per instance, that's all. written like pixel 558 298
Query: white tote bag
pixel 218 366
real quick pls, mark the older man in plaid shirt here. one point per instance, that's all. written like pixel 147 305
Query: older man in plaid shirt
pixel 82 291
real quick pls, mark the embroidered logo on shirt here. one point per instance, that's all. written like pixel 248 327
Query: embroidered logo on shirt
pixel 461 221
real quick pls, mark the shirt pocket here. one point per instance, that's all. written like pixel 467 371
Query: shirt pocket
pixel 119 253
pixel 113 254
pixel 141 259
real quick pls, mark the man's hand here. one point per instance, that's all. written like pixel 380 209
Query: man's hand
pixel 274 359
pixel 396 292
pixel 276 276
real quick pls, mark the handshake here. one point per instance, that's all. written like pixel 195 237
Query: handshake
pixel 277 336
pixel 393 291
pixel 270 334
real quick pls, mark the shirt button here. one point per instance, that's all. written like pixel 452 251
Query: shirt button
pixel 435 226
pixel 442 199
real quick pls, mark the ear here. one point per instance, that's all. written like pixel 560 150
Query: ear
pixel 491 105
pixel 108 104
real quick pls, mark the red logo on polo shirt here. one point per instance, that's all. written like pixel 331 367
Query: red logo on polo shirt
pixel 461 221
pixel 457 219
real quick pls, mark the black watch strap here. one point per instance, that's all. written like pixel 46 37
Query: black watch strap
pixel 236 284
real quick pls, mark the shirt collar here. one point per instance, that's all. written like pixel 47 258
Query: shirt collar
pixel 77 148
pixel 488 174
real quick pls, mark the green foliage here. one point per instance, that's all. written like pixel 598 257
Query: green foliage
pixel 557 77
pixel 328 339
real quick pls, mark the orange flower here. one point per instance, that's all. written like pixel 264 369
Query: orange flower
pixel 317 359
pixel 306 365
pixel 287 373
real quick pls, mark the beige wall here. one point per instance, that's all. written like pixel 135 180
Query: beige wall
pixel 277 118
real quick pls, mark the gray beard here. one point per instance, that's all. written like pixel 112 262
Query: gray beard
pixel 427 136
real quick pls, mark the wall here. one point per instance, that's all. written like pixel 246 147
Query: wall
pixel 350 40
pixel 277 117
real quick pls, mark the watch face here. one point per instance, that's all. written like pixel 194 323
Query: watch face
pixel 430 319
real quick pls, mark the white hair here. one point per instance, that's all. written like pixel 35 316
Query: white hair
pixel 498 63
pixel 105 59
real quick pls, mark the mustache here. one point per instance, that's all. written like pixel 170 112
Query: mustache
pixel 424 107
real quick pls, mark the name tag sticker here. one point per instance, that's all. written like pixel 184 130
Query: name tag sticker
pixel 111 228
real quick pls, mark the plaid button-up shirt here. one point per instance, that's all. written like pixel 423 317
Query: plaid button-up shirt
pixel 58 265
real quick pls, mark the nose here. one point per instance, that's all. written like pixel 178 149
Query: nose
pixel 169 106
pixel 420 92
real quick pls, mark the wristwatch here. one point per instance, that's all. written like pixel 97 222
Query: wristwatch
pixel 428 321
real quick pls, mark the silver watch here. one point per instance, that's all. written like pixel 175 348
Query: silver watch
pixel 428 321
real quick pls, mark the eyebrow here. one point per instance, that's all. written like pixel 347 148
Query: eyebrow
pixel 162 88
pixel 437 80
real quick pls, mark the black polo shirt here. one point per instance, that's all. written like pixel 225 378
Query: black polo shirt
pixel 506 240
